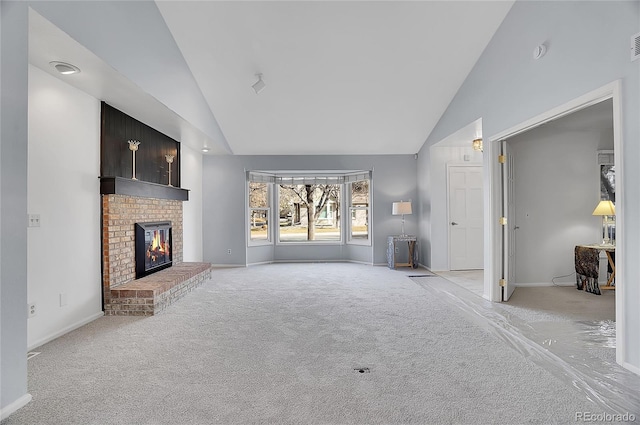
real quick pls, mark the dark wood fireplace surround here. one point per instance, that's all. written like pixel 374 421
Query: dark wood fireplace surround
pixel 148 198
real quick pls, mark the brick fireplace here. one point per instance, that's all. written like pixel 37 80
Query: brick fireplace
pixel 120 213
pixel 142 191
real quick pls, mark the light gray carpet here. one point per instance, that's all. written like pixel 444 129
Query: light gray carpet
pixel 279 344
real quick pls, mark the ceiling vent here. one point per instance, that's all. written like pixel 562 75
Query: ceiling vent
pixel 635 46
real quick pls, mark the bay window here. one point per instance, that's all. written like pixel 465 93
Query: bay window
pixel 309 207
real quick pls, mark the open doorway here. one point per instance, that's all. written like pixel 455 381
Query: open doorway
pixel 554 186
pixel 530 267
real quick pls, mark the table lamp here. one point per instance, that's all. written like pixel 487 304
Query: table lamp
pixel 401 208
pixel 605 209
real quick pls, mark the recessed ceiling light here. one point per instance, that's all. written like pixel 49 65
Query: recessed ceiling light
pixel 64 68
pixel 205 149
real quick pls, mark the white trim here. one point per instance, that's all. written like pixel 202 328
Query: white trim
pixel 227 266
pixel 609 91
pixel 621 323
pixel 13 407
pixel 66 330
pixel 631 367
pixel 312 261
pixel 260 263
pixel 584 101
pixel 544 284
pixel 364 263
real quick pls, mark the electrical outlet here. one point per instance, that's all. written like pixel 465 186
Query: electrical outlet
pixel 33 220
pixel 63 299
pixel 31 309
pixel 229 251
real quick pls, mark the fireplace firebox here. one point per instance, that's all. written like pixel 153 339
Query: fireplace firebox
pixel 153 247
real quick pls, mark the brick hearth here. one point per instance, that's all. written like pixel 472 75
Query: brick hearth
pixel 152 294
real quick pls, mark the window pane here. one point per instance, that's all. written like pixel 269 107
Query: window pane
pixel 360 210
pixel 360 193
pixel 258 195
pixel 259 224
pixel 359 223
pixel 315 204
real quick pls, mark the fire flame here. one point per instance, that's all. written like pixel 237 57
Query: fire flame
pixel 157 248
pixel 156 245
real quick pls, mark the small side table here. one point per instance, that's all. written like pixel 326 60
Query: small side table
pixel 610 250
pixel 392 241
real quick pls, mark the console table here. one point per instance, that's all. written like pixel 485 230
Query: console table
pixel 609 250
pixel 392 241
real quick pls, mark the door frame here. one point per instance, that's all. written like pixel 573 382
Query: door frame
pixel 448 167
pixel 493 182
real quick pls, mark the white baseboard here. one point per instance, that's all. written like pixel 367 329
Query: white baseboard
pixel 365 263
pixel 259 263
pixel 227 266
pixel 68 329
pixel 310 261
pixel 13 407
pixel 543 284
pixel 631 367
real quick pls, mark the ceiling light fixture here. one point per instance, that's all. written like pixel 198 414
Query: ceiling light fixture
pixel 477 145
pixel 259 85
pixel 205 149
pixel 65 68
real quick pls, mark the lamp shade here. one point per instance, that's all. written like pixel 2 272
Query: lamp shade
pixel 402 207
pixel 605 208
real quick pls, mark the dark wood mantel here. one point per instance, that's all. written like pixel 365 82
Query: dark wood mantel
pixel 124 186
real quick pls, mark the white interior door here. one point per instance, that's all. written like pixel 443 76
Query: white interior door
pixel 509 226
pixel 465 217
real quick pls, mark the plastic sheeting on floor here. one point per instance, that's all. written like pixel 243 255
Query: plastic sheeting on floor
pixel 567 349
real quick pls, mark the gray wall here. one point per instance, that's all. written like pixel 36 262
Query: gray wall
pixel 224 216
pixel 588 48
pixel 13 204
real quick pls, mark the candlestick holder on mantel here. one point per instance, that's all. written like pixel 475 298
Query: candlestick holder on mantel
pixel 133 147
pixel 169 159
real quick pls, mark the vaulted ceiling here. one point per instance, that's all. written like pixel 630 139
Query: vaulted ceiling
pixel 342 77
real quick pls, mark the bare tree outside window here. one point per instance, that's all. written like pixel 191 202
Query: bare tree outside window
pixel 259 211
pixel 608 182
pixel 309 212
pixel 359 210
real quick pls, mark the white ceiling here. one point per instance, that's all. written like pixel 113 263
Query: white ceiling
pixel 342 77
